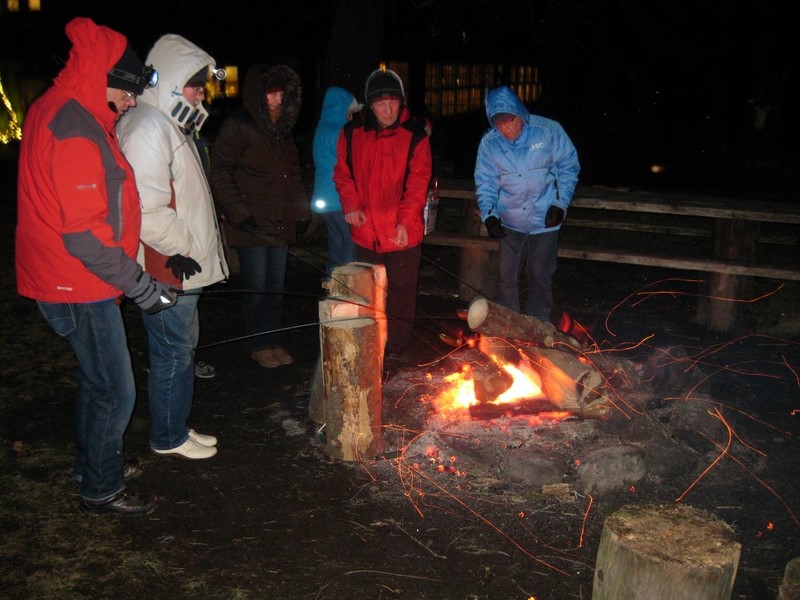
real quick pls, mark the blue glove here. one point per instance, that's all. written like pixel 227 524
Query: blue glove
pixel 151 295
pixel 495 227
pixel 182 266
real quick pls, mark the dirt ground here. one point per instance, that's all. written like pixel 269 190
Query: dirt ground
pixel 273 517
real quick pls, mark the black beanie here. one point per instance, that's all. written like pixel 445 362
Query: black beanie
pixel 128 73
pixel 199 79
pixel 382 84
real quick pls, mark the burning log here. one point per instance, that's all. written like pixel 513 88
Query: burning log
pixel 665 552
pixel 490 319
pixel 530 406
pixel 569 383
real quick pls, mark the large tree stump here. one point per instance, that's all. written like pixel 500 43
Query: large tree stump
pixel 790 586
pixel 355 290
pixel 353 400
pixel 491 319
pixel 667 552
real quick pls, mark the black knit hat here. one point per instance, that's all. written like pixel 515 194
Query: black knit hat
pixel 128 73
pixel 199 79
pixel 383 84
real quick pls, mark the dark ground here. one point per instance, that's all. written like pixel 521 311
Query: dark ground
pixel 271 517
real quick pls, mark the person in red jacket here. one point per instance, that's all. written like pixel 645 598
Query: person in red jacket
pixel 382 174
pixel 76 241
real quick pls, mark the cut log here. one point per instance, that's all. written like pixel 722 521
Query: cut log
pixel 491 319
pixel 569 383
pixel 355 290
pixel 666 552
pixel 365 285
pixel 330 311
pixel 353 391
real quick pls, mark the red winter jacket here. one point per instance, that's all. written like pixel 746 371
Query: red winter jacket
pixel 78 208
pixel 385 174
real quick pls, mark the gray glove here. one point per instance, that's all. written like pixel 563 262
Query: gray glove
pixel 151 295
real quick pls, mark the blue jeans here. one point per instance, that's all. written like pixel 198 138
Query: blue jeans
pixel 172 336
pixel 106 391
pixel 263 270
pixel 538 254
pixel 341 249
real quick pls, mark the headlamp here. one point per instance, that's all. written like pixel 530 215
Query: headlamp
pixel 147 79
pixel 220 74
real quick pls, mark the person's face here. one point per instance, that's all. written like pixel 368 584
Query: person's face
pixel 194 95
pixel 120 100
pixel 511 129
pixel 275 100
pixel 386 111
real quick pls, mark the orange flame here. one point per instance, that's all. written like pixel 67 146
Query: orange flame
pixel 459 395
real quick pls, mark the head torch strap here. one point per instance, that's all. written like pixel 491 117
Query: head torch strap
pixel 148 78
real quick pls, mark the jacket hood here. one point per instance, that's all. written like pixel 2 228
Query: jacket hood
pixel 258 80
pixel 95 50
pixel 336 106
pixel 504 100
pixel 176 59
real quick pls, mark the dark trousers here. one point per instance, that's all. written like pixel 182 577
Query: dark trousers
pixel 538 255
pixel 402 273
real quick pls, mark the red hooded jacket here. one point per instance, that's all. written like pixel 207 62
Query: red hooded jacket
pixel 78 208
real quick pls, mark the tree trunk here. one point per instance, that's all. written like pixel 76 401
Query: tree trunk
pixel 353 405
pixel 667 552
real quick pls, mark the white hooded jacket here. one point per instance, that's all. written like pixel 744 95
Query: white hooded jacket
pixel 178 214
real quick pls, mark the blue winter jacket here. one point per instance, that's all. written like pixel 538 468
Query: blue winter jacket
pixel 335 109
pixel 518 181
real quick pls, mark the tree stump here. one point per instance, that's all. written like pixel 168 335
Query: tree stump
pixel 355 290
pixel 353 399
pixel 667 552
pixel 790 586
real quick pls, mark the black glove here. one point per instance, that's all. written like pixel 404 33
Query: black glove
pixel 182 266
pixel 554 216
pixel 495 228
pixel 151 295
pixel 300 227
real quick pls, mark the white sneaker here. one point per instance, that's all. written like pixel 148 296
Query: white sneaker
pixel 201 438
pixel 189 449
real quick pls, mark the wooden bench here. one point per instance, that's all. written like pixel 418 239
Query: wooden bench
pixel 730 231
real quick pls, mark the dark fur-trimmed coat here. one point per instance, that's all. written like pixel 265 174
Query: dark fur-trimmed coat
pixel 255 166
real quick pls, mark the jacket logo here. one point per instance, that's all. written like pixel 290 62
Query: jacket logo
pixel 86 186
pixel 537 146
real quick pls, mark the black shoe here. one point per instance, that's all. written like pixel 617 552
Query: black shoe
pixel 132 469
pixel 125 503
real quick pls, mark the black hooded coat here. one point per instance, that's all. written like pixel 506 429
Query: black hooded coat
pixel 255 166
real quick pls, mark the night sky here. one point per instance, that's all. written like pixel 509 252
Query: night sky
pixel 684 84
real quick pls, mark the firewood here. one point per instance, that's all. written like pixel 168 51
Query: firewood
pixel 353 391
pixel 489 318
